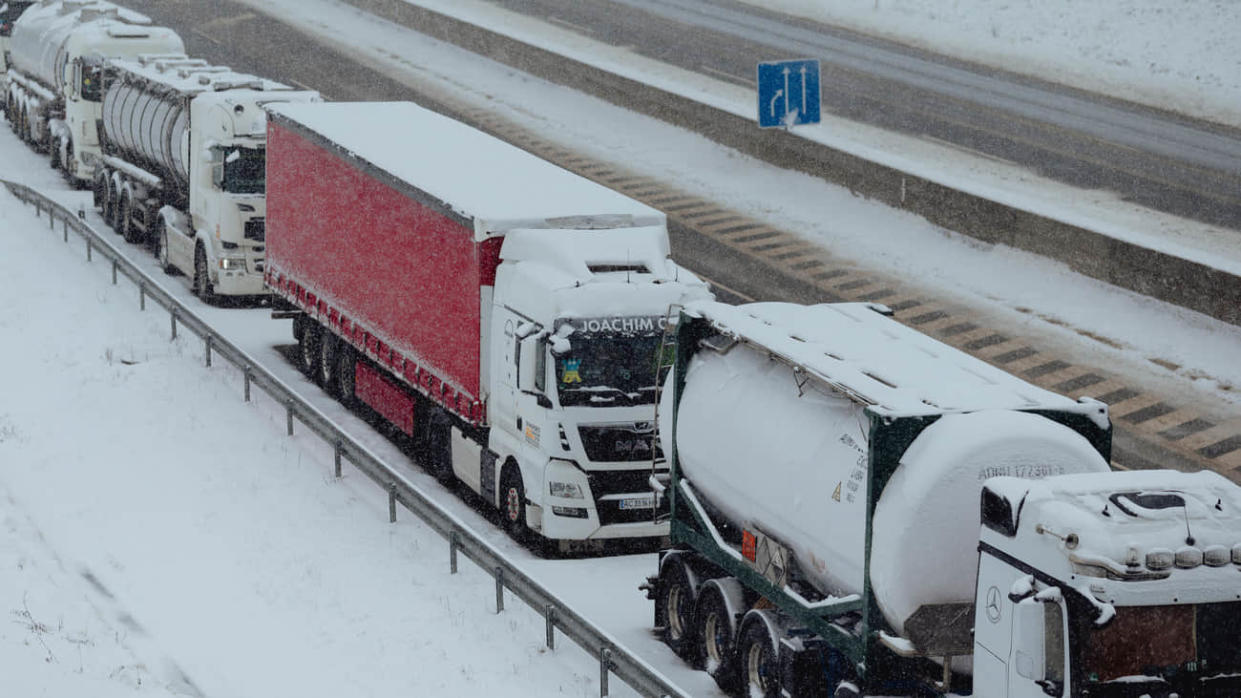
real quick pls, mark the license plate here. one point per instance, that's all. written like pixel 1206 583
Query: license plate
pixel 647 502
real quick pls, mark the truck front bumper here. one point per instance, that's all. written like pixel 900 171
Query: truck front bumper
pixel 239 283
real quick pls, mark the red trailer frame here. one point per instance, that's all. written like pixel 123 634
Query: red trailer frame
pixel 385 266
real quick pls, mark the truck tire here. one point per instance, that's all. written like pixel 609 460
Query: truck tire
pixel 346 374
pixel 758 657
pixel 513 503
pixel 99 191
pixel 308 350
pixel 125 221
pixel 325 370
pixel 438 452
pixel 202 280
pixel 675 605
pixel 161 250
pixel 54 150
pixel 715 627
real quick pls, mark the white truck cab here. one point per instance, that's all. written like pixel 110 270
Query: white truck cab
pixel 1109 585
pixel 577 320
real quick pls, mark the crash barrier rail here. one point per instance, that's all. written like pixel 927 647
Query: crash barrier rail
pixel 613 658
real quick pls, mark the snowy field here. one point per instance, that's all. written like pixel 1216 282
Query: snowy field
pixel 1183 56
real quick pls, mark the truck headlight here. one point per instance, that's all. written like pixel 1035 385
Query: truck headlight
pixel 567 490
pixel 233 263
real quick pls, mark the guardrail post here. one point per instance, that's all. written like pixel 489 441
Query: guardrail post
pixel 391 502
pixel 550 614
pixel 114 272
pixel 89 248
pixel 51 221
pixel 453 543
pixel 288 406
pixel 207 341
pixel 605 665
pixel 65 230
pixel 142 295
pixel 336 450
pixel 172 318
pixel 246 374
pixel 38 209
pixel 499 589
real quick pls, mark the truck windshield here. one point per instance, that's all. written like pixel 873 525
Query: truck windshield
pixel 9 12
pixel 1165 650
pixel 244 170
pixel 606 371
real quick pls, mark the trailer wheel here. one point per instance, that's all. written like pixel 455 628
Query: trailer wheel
pixel 54 148
pixel 513 502
pixel 438 451
pixel 346 374
pixel 847 689
pixel 715 626
pixel 675 605
pixel 202 281
pixel 326 367
pixel 759 661
pixel 308 350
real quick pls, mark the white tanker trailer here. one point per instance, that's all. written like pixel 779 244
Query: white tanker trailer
pixel 183 166
pixel 52 86
pixel 827 468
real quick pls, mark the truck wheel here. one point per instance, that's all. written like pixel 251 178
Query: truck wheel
pixel 513 503
pixel 438 452
pixel 308 351
pixel 118 212
pixel 346 375
pixel 99 191
pixel 326 368
pixel 53 147
pixel 161 252
pixel 759 663
pixel 125 221
pixel 715 624
pixel 676 606
pixel 202 281
pixel 847 689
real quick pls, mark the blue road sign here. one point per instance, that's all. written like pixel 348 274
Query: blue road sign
pixel 788 93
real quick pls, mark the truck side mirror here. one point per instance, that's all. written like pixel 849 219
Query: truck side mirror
pixel 532 369
pixel 1038 643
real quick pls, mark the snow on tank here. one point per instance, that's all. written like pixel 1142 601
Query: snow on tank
pixel 42 36
pixel 496 186
pixel 773 428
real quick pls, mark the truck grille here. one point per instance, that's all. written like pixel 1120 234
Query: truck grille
pixel 634 482
pixel 619 443
pixel 256 229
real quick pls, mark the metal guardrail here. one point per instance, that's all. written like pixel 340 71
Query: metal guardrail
pixel 613 657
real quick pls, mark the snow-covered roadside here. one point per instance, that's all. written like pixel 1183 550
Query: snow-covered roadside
pixel 1181 56
pixel 1027 293
pixel 159 536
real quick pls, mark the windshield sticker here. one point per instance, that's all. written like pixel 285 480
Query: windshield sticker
pixel 571 372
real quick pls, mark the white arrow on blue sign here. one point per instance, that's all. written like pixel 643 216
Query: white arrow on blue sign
pixel 788 93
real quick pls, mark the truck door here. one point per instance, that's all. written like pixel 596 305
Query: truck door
pixel 1038 665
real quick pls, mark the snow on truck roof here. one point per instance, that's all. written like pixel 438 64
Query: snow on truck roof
pixel 192 75
pixel 493 185
pixel 856 349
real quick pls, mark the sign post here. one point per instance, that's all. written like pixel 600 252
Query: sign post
pixel 788 93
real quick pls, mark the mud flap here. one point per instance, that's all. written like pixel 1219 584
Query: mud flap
pixel 487 475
